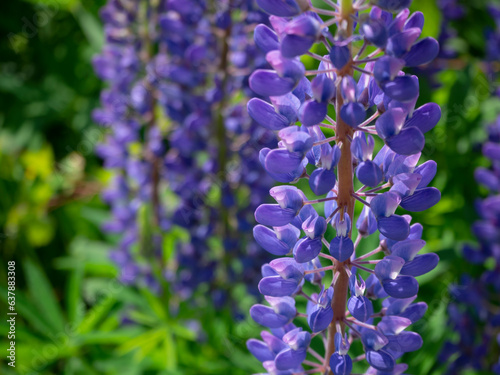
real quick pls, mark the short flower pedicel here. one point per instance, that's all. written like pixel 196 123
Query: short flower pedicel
pixel 360 77
pixel 474 311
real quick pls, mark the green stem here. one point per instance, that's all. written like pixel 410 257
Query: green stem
pixel 346 9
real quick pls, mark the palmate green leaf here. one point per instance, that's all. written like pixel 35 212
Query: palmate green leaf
pixel 123 365
pixel 147 350
pixel 155 304
pixel 35 355
pixel 96 288
pixel 112 322
pixel 170 352
pixel 43 296
pixel 110 338
pixel 77 365
pixel 96 314
pixel 182 331
pixel 28 311
pixel 143 318
pixel 132 297
pixel 143 341
pixel 38 360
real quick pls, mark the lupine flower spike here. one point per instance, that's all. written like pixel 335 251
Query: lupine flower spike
pixel 475 308
pixel 172 67
pixel 474 311
pixel 327 120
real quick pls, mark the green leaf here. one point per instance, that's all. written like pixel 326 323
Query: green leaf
pixel 155 303
pixel 28 311
pixel 96 314
pixel 109 338
pixel 170 352
pixel 91 27
pixel 152 336
pixel 182 331
pixel 42 294
pixel 74 295
pixel 143 318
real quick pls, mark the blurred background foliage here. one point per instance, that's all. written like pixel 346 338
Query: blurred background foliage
pixel 74 316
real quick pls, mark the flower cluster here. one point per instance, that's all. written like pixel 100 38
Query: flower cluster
pixel 184 153
pixel 203 69
pixel 475 308
pixel 326 128
pixel 128 111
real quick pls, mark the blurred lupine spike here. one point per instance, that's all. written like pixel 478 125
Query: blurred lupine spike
pixel 370 96
pixel 172 126
pixel 474 308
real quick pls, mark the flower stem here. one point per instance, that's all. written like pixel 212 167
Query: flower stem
pixel 367 255
pixel 315 354
pixel 321 200
pixel 323 255
pixel 361 200
pixel 317 270
pixel 345 199
pixel 361 324
pixel 357 265
pixel 346 11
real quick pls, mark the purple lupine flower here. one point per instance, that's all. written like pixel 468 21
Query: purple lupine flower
pixel 126 106
pixel 361 80
pixel 474 310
